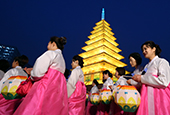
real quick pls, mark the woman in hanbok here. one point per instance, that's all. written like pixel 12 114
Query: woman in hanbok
pixel 7 107
pixel 76 88
pixel 48 95
pixel 155 91
pixel 92 109
pixel 120 71
pixel 115 108
pixel 135 61
pixel 103 109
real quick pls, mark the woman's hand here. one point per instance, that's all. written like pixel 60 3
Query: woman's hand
pixel 137 78
pixel 129 81
pixel 28 70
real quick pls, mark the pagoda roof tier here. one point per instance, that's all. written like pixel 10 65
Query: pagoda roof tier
pixel 101 36
pixel 101 26
pixel 103 21
pixel 103 57
pixel 102 31
pixel 98 67
pixel 100 43
pixel 99 50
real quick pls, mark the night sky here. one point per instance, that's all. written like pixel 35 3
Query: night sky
pixel 28 25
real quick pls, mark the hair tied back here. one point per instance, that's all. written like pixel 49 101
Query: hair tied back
pixel 63 40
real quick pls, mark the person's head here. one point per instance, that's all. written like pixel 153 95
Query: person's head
pixel 135 59
pixel 95 82
pixel 20 61
pixel 119 72
pixel 56 43
pixel 106 74
pixel 77 61
pixel 4 65
pixel 150 50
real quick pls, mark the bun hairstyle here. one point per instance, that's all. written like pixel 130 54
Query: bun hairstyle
pixel 80 60
pixel 60 41
pixel 108 72
pixel 22 60
pixel 137 57
pixel 151 44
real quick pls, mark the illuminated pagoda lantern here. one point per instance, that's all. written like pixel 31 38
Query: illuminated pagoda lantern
pixel 101 53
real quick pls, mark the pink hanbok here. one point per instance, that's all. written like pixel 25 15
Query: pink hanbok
pixel 76 92
pixel 8 107
pixel 77 100
pixel 155 91
pixel 48 96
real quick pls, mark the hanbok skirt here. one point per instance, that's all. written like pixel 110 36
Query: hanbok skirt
pixel 8 107
pixel 47 96
pixel 91 109
pixel 77 100
pixel 154 101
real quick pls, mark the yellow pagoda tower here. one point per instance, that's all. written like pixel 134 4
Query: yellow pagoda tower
pixel 101 53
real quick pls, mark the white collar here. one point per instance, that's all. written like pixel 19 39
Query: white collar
pixel 58 50
pixel 18 67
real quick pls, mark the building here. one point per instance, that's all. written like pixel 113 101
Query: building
pixel 101 53
pixel 8 53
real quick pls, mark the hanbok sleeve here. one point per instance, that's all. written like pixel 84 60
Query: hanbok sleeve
pixel 162 79
pixel 72 80
pixel 42 64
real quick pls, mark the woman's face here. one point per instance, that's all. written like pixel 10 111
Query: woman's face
pixel 132 61
pixel 148 52
pixel 105 76
pixel 74 64
pixel 14 64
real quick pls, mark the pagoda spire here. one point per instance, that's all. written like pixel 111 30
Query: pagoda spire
pixel 103 13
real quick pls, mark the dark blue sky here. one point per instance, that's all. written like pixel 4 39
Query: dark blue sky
pixel 28 25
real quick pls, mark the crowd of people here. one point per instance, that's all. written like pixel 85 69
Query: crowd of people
pixel 52 94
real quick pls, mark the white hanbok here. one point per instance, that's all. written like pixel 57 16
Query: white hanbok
pixel 107 83
pixel 12 72
pixel 49 89
pixel 50 59
pixel 76 75
pixel 121 81
pixel 155 89
pixel 76 90
pixel 138 71
pixel 94 89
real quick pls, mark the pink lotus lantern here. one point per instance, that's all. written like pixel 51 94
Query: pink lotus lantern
pixel 128 98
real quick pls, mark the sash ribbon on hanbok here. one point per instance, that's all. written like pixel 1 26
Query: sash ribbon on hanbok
pixel 154 101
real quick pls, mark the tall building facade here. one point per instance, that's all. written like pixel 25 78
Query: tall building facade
pixel 8 53
pixel 101 53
